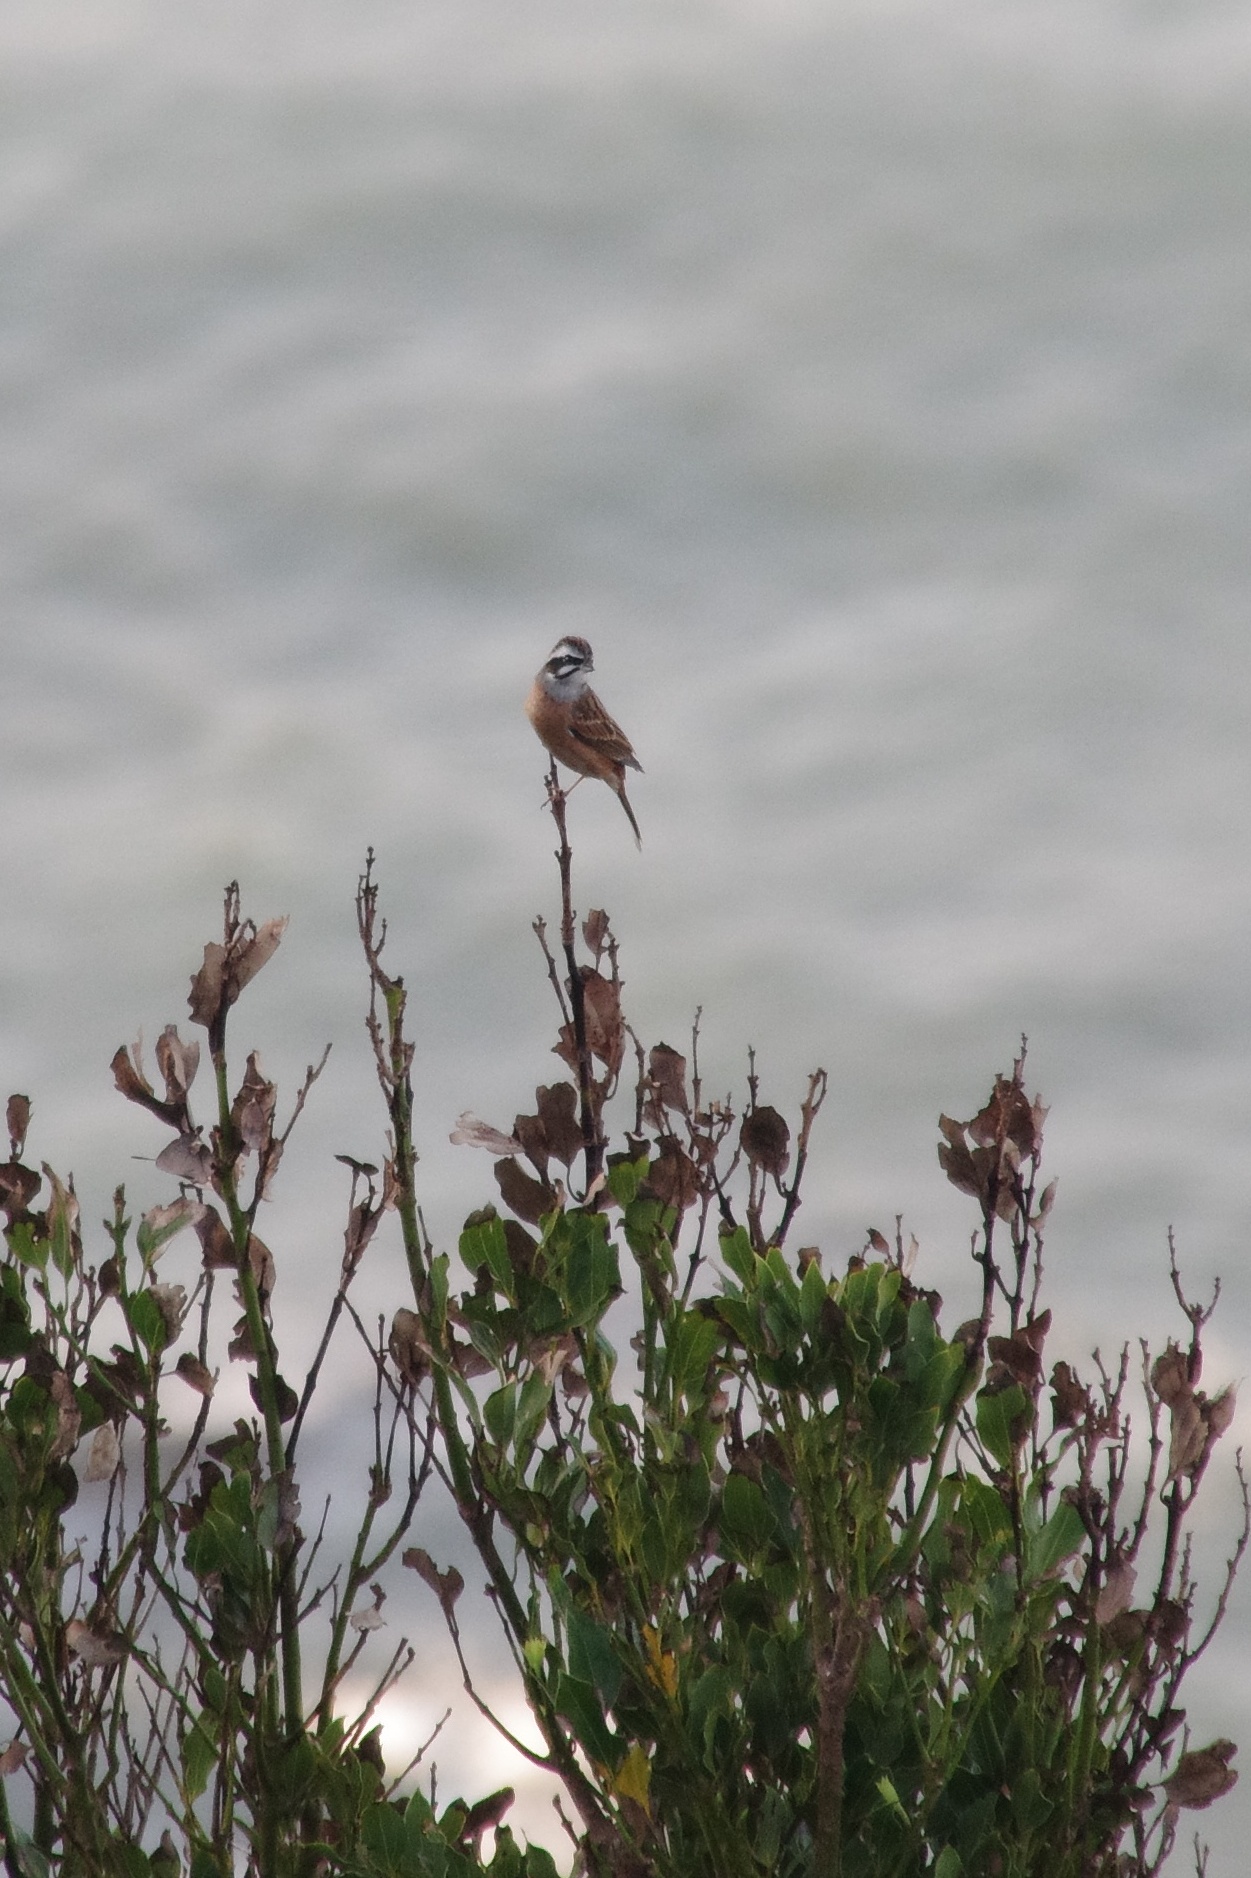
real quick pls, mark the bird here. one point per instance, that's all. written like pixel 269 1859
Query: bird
pixel 573 725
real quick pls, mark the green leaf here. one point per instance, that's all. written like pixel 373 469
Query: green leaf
pixel 144 1317
pixel 26 1248
pixel 485 1243
pixel 711 1700
pixel 886 1787
pixel 580 1706
pixel 418 1814
pixel 591 1655
pixel 941 1376
pixel 592 1275
pixel 386 1836
pixel 625 1177
pixel 813 1291
pixel 746 1520
pixel 439 1290
pixel 204 1864
pixel 1030 1806
pixel 999 1416
pixel 157 1227
pixel 31 1862
pixel 500 1413
pixel 692 1343
pixel 128 1861
pixel 536 1393
pixel 16 1336
pixel 736 1250
pixel 984 1512
pixel 213 1687
pixel 538 1863
pixel 199 1758
pixel 949 1863
pixel 1062 1536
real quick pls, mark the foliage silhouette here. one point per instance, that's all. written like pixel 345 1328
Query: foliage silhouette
pixel 805 1586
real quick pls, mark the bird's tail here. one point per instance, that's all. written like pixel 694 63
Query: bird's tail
pixel 625 803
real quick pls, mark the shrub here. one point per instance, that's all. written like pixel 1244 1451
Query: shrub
pixel 807 1586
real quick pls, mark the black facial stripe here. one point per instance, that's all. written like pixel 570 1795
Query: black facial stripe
pixel 565 665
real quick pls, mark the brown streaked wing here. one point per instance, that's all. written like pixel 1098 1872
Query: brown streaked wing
pixel 590 724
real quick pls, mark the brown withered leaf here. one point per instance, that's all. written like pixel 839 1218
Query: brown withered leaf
pixel 1170 1375
pixel 18 1187
pixel 566 1046
pixel 409 1346
pixel 1202 1776
pixel 672 1177
pixel 470 1361
pixel 228 969
pixel 252 1111
pixel 595 931
pixel 177 1062
pixel 104 1453
pixel 1169 1623
pixel 68 1416
pixel 1125 1632
pixel 486 1814
pixel 362 1224
pixel 557 1105
pixel 252 950
pixel 195 1374
pixel 12 1757
pixel 1009 1115
pixel 765 1140
pixel 522 1246
pixel 956 1160
pixel 447 1586
pixel 1019 1357
pixel 371 1617
pixel 1116 1592
pixel 187 1158
pixel 1069 1399
pixel 1219 1412
pixel 605 1032
pixel 1046 1201
pixel 529 1199
pixel 171 1302
pixel 98 1648
pixel 122 1377
pixel 208 994
pixel 164 1221
pixel 288 1524
pixel 532 1135
pixel 134 1085
pixel 64 1211
pixel 469 1132
pixel 286 1401
pixel 1064 1670
pixel 217 1248
pixel 952 1131
pixel 666 1071
pixel 369 1749
pixel 551 1354
pixel 1188 1436
pixel 261 1259
pixel 240 1348
pixel 18 1117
